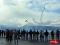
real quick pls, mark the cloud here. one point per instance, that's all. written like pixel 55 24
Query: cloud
pixel 10 2
pixel 49 4
pixel 15 12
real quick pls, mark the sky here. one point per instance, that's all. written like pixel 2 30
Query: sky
pixel 15 12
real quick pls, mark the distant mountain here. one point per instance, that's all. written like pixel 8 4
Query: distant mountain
pixel 3 27
pixel 28 26
pixel 41 26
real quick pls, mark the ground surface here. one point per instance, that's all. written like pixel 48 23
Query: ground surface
pixel 25 42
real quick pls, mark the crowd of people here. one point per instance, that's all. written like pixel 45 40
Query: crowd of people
pixel 16 35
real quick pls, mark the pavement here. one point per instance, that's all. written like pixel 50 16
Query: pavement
pixel 26 42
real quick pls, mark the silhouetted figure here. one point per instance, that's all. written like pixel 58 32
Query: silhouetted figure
pixel 52 34
pixel 4 33
pixel 7 35
pixel 57 34
pixel 23 34
pixel 16 36
pixel 34 35
pixel 40 34
pixel 46 35
pixel 19 34
pixel 0 33
pixel 10 35
pixel 27 35
pixel 30 33
pixel 37 33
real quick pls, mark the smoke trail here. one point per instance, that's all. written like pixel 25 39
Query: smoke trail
pixel 56 21
pixel 42 15
pixel 35 21
pixel 28 21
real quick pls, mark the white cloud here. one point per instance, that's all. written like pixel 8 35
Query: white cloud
pixel 15 12
pixel 53 6
pixel 1 2
pixel 49 4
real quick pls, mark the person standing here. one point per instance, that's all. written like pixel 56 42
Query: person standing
pixel 23 34
pixel 27 35
pixel 15 36
pixel 37 33
pixel 57 34
pixel 34 35
pixel 46 35
pixel 7 35
pixel 0 33
pixel 19 34
pixel 30 33
pixel 52 34
pixel 10 35
pixel 40 35
pixel 4 33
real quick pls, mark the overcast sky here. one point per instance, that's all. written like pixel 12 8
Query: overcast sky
pixel 15 12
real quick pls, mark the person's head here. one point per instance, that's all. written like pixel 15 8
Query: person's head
pixel 27 31
pixel 46 30
pixel 30 30
pixel 42 31
pixel 37 30
pixel 15 30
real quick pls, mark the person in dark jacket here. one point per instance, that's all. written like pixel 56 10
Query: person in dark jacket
pixel 40 35
pixel 19 34
pixel 7 35
pixel 0 33
pixel 37 33
pixel 4 34
pixel 16 36
pixel 46 35
pixel 34 35
pixel 27 35
pixel 30 33
pixel 57 34
pixel 52 34
pixel 23 34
